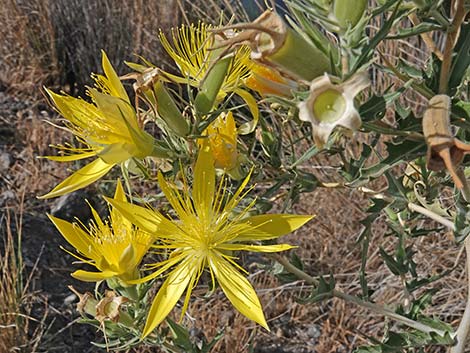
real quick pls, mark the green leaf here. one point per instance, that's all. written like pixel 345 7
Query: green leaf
pixel 397 153
pixel 423 27
pixel 324 290
pixel 368 50
pixel 181 337
pixel 373 109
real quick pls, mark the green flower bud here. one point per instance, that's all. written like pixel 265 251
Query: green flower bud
pixel 212 82
pixel 169 111
pixel 348 12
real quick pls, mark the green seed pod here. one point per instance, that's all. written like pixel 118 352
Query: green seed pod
pixel 275 44
pixel 210 86
pixel 169 111
pixel 348 13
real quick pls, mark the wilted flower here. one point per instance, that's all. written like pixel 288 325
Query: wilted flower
pixel 267 81
pixel 108 128
pixel 330 105
pixel 115 247
pixel 444 150
pixel 204 237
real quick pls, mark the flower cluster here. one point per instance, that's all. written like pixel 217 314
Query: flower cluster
pixel 203 156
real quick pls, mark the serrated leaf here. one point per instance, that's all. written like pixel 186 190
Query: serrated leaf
pixel 324 290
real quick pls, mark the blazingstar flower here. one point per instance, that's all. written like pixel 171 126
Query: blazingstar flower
pixel 330 105
pixel 193 53
pixel 115 247
pixel 204 236
pixel 108 128
pixel 222 139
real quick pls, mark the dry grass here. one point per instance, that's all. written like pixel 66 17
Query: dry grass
pixel 19 331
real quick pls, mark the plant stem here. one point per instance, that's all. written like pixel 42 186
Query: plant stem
pixel 451 40
pixel 371 306
pixel 463 330
pixel 424 211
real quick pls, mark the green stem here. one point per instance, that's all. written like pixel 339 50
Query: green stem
pixel 371 306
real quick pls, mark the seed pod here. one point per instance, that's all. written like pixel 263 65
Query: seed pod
pixel 273 43
pixel 444 150
pixel 348 13
pixel 169 111
pixel 212 82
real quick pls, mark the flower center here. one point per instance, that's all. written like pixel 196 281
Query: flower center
pixel 329 106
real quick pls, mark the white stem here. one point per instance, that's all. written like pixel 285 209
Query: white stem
pixel 424 211
pixel 464 327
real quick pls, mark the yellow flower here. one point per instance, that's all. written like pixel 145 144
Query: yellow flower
pixel 108 127
pixel 222 139
pixel 268 81
pixel 115 247
pixel 192 50
pixel 204 236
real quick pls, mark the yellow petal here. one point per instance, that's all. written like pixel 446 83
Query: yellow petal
pixel 115 153
pixel 270 226
pixel 146 219
pixel 255 248
pixel 119 194
pixel 71 157
pixel 80 179
pixel 204 182
pixel 115 109
pixel 169 294
pixel 238 290
pixel 250 126
pixel 172 197
pixel 115 86
pixel 74 235
pixel 87 276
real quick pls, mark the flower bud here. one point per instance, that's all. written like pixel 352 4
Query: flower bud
pixel 348 13
pixel 212 82
pixel 169 111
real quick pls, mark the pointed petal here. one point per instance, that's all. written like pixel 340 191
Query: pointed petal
pixel 204 182
pixel 117 110
pixel 115 86
pixel 119 194
pixel 80 179
pixel 172 196
pixel 169 294
pixel 238 290
pixel 87 276
pixel 75 236
pixel 71 157
pixel 270 226
pixel 255 248
pixel 146 219
pixel 250 101
pixel 115 153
